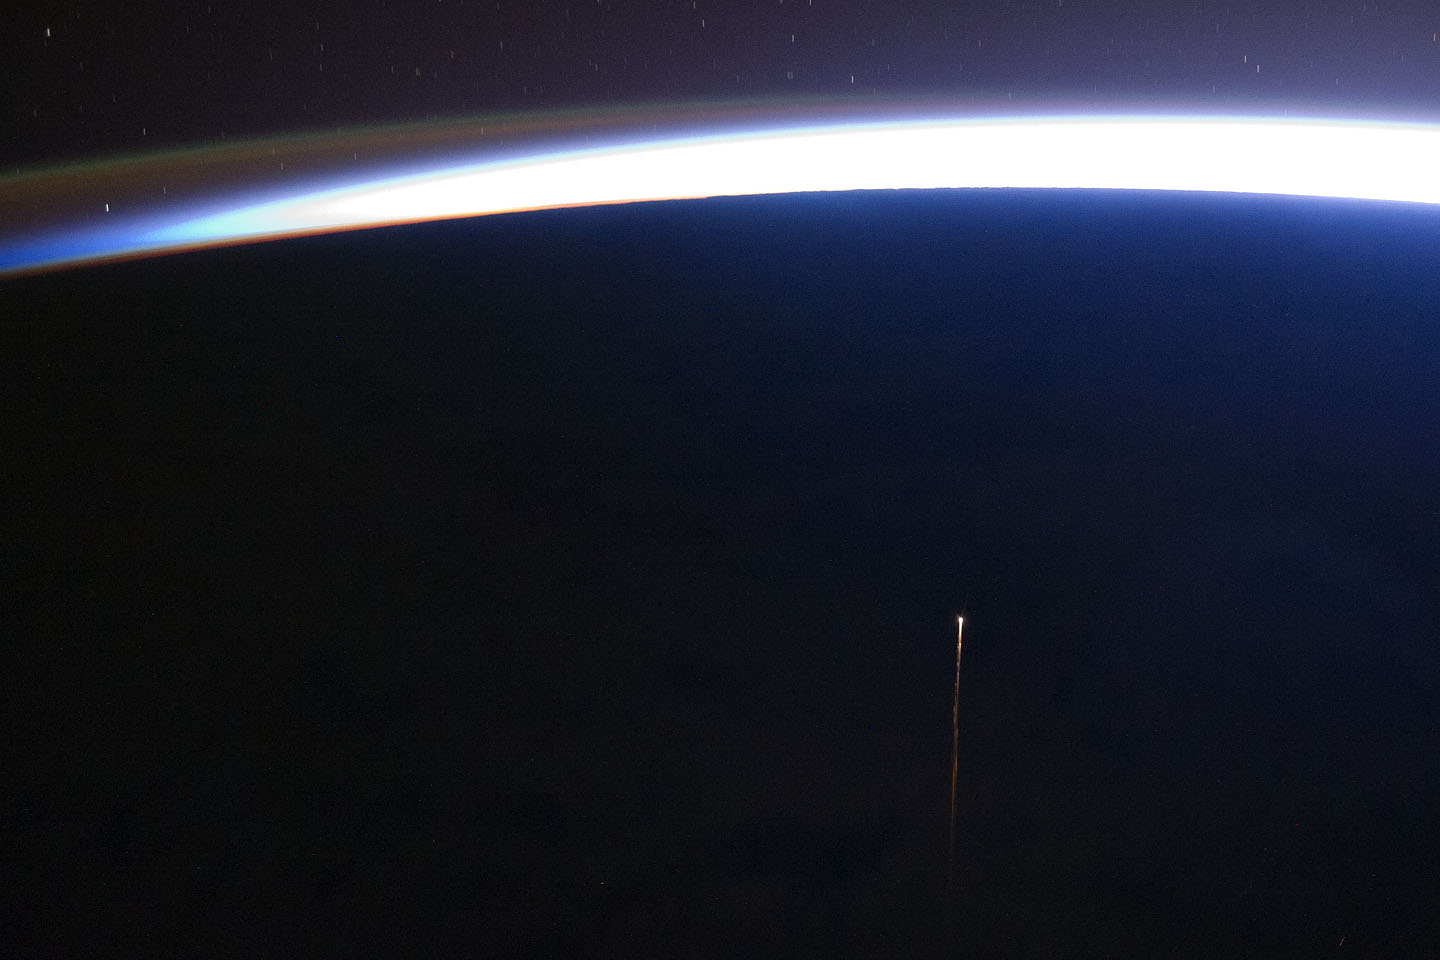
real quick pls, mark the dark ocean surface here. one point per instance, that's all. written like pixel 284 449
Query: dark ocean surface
pixel 583 583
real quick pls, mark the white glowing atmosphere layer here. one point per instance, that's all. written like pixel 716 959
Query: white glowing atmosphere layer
pixel 1305 157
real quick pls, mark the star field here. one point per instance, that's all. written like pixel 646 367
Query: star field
pixel 94 80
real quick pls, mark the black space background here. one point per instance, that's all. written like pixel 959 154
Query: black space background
pixel 88 78
pixel 583 583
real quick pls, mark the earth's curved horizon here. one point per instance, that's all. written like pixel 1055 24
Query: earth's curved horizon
pixel 140 206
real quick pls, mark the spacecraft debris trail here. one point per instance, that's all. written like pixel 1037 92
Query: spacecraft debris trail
pixel 955 750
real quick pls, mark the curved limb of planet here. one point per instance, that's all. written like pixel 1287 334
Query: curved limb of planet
pixel 1285 156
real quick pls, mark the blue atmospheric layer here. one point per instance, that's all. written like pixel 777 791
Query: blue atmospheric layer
pixel 310 208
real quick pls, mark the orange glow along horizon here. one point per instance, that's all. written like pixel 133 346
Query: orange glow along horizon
pixel 131 212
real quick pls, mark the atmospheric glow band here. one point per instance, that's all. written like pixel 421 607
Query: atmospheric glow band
pixel 1317 158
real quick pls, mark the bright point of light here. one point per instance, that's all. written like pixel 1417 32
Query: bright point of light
pixel 1337 159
